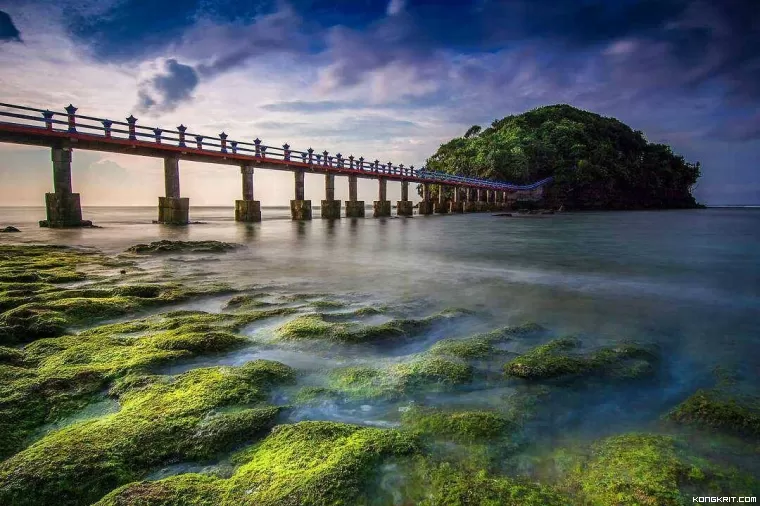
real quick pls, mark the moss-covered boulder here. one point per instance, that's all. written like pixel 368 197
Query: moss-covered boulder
pixel 322 327
pixel 52 378
pixel 719 410
pixel 167 246
pixel 398 380
pixel 561 358
pixel 459 426
pixel 647 469
pixel 191 417
pixel 316 463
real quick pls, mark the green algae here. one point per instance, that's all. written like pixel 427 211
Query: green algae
pixel 327 304
pixel 459 426
pixel 169 419
pixel 304 463
pixel 322 327
pixel 166 246
pixel 399 380
pixel 719 410
pixel 647 469
pixel 559 358
pixel 57 376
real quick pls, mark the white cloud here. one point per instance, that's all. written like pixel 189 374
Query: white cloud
pixel 395 7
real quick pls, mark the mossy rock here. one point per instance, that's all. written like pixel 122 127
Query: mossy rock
pixel 444 484
pixel 323 327
pixel 460 426
pixel 166 246
pixel 560 358
pixel 58 376
pixel 315 463
pixel 647 469
pixel 399 380
pixel 191 417
pixel 719 410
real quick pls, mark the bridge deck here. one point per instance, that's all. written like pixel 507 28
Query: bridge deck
pixel 19 126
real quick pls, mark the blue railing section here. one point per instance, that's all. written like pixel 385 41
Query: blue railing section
pixel 72 123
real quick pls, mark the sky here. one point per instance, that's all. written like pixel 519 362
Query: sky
pixel 387 79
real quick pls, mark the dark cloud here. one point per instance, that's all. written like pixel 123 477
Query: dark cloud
pixel 166 90
pixel 740 129
pixel 8 31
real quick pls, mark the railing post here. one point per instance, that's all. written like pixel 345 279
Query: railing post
pixel 131 122
pixel 263 151
pixel 157 132
pixel 199 141
pixel 48 115
pixel 181 129
pixel 71 111
pixel 411 171
pixel 257 143
pixel 361 163
pixel 286 152
pixel 107 123
pixel 223 139
pixel 324 160
pixel 310 152
pixel 351 161
pixel 377 166
pixel 339 157
pixel 233 146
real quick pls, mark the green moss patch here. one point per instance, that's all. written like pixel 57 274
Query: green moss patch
pixel 51 378
pixel 560 358
pixel 304 463
pixel 191 417
pixel 323 327
pixel 645 469
pixel 716 409
pixel 460 426
pixel 398 380
pixel 166 246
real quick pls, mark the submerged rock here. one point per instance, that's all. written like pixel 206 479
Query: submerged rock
pixel 9 229
pixel 304 463
pixel 190 417
pixel 644 469
pixel 166 246
pixel 559 358
pixel 51 378
pixel 716 409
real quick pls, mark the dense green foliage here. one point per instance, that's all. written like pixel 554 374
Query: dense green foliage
pixel 597 162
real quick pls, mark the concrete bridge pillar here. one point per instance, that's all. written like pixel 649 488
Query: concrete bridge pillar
pixel 470 205
pixel 441 207
pixel 330 208
pixel 404 206
pixel 382 206
pixel 62 207
pixel 426 206
pixel 247 210
pixel 300 209
pixel 172 209
pixel 354 208
pixel 456 205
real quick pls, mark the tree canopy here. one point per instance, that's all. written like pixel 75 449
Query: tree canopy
pixel 596 162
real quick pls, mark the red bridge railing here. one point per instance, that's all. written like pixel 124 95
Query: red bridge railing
pixel 73 123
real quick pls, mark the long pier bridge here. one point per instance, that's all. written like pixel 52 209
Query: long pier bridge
pixel 65 131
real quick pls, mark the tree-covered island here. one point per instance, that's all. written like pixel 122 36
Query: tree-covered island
pixel 596 162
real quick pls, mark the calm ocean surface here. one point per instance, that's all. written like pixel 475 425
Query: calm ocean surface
pixel 686 280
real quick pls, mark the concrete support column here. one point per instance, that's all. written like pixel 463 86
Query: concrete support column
pixel 62 207
pixel 172 209
pixel 300 209
pixel 456 205
pixel 441 207
pixel 382 206
pixel 426 206
pixel 470 204
pixel 247 210
pixel 354 207
pixel 330 208
pixel 404 207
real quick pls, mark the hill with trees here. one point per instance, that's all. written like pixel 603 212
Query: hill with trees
pixel 596 162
